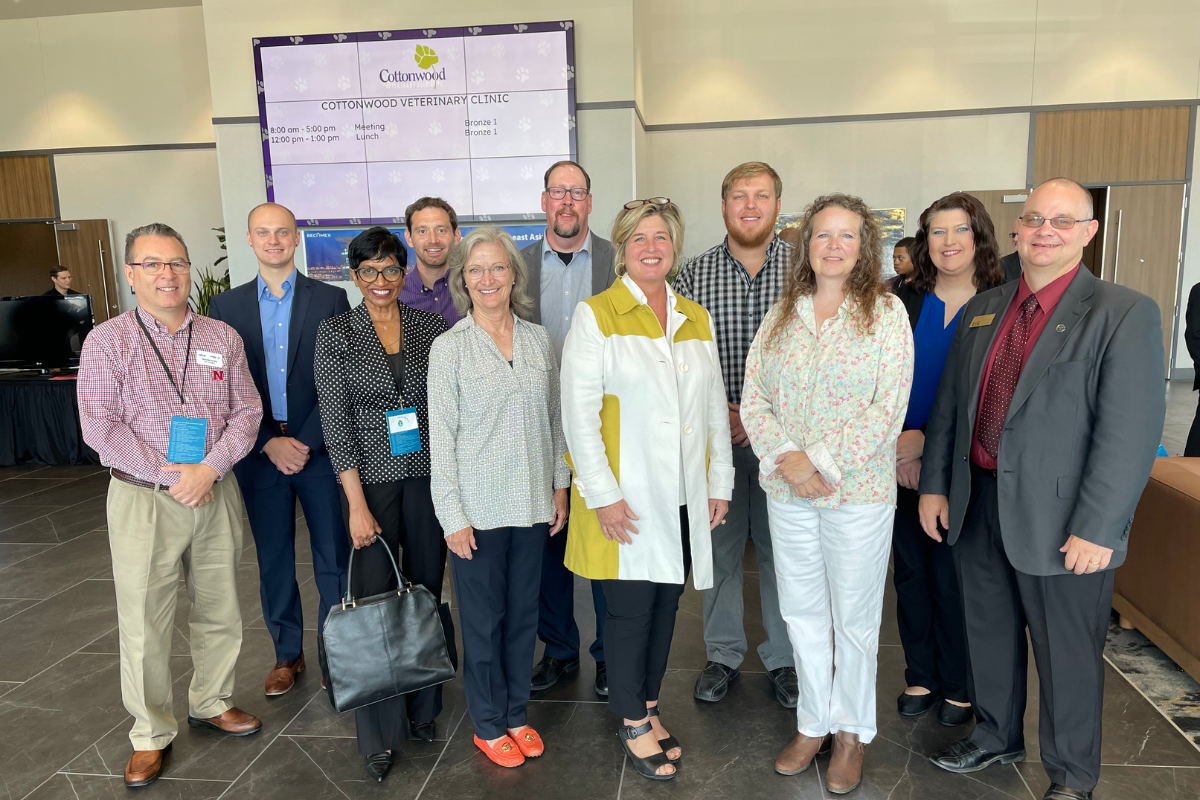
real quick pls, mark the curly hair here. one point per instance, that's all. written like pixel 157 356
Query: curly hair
pixel 863 283
pixel 987 255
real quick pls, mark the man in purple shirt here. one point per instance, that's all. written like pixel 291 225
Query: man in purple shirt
pixel 431 230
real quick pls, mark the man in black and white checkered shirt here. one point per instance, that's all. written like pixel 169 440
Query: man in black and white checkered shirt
pixel 737 282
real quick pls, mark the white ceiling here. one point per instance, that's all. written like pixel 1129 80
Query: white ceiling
pixel 24 9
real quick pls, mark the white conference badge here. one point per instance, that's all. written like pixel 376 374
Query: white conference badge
pixel 207 359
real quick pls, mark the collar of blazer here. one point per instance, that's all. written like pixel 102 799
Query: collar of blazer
pixel 623 301
pixel 1070 311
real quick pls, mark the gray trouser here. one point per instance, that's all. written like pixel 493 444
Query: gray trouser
pixel 724 634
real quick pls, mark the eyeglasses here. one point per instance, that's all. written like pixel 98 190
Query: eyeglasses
pixel 558 193
pixel 650 201
pixel 1062 223
pixel 152 268
pixel 475 273
pixel 369 274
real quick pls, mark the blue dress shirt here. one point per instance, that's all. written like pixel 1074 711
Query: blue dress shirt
pixel 275 314
pixel 564 286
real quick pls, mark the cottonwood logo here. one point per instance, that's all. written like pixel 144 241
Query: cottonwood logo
pixel 426 58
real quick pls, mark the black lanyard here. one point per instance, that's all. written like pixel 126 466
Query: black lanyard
pixel 187 357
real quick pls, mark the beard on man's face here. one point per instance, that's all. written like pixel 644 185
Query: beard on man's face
pixel 566 226
pixel 752 238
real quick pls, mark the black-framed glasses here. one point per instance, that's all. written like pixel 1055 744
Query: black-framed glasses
pixel 649 201
pixel 1062 223
pixel 558 193
pixel 156 267
pixel 369 274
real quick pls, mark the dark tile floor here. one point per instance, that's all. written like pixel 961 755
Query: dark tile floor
pixel 63 731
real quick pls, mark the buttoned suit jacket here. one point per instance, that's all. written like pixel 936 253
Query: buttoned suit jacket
pixel 312 302
pixel 1081 431
pixel 602 271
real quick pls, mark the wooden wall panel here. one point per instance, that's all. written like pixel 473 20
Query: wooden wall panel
pixel 1003 215
pixel 1112 145
pixel 26 190
pixel 27 253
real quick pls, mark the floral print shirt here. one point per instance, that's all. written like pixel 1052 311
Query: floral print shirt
pixel 840 397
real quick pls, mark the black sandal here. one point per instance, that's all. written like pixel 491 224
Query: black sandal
pixel 646 767
pixel 669 743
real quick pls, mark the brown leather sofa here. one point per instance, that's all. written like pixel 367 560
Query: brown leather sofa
pixel 1157 589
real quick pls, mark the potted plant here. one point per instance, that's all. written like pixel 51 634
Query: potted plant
pixel 207 286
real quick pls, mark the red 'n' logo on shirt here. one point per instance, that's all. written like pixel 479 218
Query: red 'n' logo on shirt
pixel 218 374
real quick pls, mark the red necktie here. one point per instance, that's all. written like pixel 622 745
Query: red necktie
pixel 1003 379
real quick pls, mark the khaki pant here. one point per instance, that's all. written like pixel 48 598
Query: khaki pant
pixel 151 535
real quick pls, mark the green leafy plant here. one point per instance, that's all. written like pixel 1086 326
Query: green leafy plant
pixel 206 284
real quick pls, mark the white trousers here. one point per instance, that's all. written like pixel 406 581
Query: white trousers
pixel 830 566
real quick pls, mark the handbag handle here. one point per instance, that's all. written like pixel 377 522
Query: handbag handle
pixel 404 585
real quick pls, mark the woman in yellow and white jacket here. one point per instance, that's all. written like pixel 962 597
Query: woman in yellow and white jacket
pixel 647 428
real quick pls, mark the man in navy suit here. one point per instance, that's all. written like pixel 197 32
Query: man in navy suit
pixel 277 315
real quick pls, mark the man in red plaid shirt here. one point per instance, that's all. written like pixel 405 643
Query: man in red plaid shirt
pixel 147 379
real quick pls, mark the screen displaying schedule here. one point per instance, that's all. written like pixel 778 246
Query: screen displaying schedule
pixel 356 126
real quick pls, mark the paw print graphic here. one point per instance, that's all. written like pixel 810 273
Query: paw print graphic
pixel 546 98
pixel 392 129
pixel 481 174
pixel 327 153
pixel 261 87
pixel 275 60
pixel 506 199
pixel 394 177
pixel 352 179
pixel 320 59
pixel 524 123
pixel 331 202
pixel 438 175
pixel 301 85
pixel 527 173
pixel 435 127
pixel 569 122
pixel 364 57
pixel 547 146
pixel 498 50
pixel 347 129
pixel 522 74
pixel 477 77
pixel 568 73
pixel 543 48
pixel 309 180
pixel 343 83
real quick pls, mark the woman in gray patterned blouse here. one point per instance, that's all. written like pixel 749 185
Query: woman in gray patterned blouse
pixel 499 480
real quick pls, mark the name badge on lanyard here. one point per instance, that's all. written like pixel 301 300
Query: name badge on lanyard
pixel 403 433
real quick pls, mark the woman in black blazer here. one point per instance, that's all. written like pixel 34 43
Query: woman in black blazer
pixel 370 361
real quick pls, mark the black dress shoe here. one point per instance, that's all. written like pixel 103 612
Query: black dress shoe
pixel 714 681
pixel 787 688
pixel 549 670
pixel 601 679
pixel 914 705
pixel 379 765
pixel 422 731
pixel 952 716
pixel 1059 792
pixel 965 756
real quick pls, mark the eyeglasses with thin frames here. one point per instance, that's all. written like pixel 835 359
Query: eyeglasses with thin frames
pixel 1062 223
pixel 650 201
pixel 475 273
pixel 153 268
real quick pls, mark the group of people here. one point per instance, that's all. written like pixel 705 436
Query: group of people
pixel 585 411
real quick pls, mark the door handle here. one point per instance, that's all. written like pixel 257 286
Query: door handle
pixel 104 278
pixel 1117 254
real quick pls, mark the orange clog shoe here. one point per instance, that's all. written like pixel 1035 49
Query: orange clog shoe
pixel 505 752
pixel 528 742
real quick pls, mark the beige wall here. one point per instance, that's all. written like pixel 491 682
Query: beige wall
pixel 184 193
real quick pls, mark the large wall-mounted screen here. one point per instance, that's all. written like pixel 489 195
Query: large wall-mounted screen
pixel 355 126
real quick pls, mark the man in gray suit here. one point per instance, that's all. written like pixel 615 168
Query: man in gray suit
pixel 569 265
pixel 1040 442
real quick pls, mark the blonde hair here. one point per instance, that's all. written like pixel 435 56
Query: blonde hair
pixel 518 299
pixel 863 283
pixel 629 218
pixel 750 169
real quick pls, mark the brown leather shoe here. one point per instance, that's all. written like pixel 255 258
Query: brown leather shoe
pixel 283 677
pixel 846 764
pixel 799 753
pixel 233 722
pixel 144 767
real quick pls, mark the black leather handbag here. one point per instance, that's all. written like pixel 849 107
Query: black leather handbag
pixel 382 646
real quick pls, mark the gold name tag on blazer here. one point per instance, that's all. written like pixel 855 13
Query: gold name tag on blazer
pixel 982 320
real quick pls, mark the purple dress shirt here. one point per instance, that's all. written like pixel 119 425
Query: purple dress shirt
pixel 415 294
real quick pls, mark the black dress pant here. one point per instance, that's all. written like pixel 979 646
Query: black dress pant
pixel 1067 618
pixel 637 635
pixel 404 510
pixel 1192 448
pixel 497 593
pixel 928 605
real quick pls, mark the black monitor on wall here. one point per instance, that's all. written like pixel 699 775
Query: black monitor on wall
pixel 43 331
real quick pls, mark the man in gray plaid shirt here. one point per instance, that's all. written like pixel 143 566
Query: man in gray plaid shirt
pixel 737 282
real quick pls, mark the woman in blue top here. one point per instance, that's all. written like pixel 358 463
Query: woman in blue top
pixel 954 256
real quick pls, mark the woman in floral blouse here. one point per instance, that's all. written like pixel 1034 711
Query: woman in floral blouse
pixel 827 385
